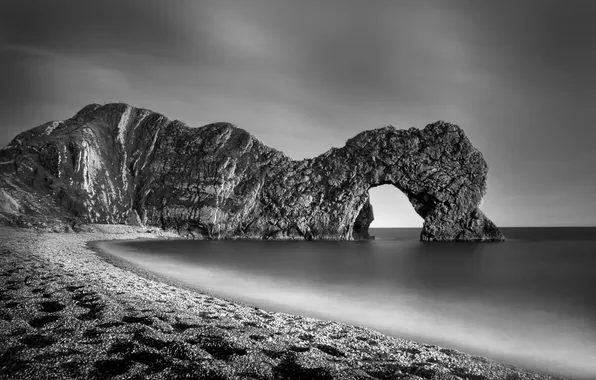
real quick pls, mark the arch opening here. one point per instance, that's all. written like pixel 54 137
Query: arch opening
pixel 387 207
pixel 392 208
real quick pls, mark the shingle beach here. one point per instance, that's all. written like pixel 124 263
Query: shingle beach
pixel 67 311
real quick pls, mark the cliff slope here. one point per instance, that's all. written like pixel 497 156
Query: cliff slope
pixel 120 164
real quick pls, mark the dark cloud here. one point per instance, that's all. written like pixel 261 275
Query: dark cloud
pixel 307 75
pixel 97 27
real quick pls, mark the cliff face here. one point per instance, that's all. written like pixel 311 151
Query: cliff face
pixel 119 164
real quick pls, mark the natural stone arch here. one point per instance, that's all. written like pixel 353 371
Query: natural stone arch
pixel 394 204
pixel 110 162
pixel 438 169
pixel 392 208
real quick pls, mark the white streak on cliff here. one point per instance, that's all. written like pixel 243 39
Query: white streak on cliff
pixel 59 164
pixel 150 150
pixel 135 161
pixel 122 125
pixel 144 114
pixel 112 188
pixel 104 194
pixel 51 128
pixel 124 121
pixel 79 161
pixel 84 158
pixel 90 163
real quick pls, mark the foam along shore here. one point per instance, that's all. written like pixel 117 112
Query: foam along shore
pixel 69 311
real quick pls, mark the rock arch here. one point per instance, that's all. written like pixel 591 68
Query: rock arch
pixel 387 207
pixel 440 172
pixel 438 169
pixel 111 162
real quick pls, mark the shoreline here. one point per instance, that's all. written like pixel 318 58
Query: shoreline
pixel 74 303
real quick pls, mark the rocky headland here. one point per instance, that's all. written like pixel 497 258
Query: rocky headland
pixel 118 164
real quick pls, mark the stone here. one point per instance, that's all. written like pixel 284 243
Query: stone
pixel 117 164
pixel 133 219
pixel 363 221
pixel 7 203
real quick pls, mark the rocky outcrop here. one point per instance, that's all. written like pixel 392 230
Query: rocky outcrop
pixel 363 221
pixel 120 164
pixel 7 203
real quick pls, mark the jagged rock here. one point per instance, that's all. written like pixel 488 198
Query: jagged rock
pixel 363 221
pixel 120 164
pixel 133 219
pixel 7 203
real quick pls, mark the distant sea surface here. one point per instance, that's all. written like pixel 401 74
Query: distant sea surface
pixel 529 301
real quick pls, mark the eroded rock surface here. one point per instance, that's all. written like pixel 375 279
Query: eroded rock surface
pixel 120 164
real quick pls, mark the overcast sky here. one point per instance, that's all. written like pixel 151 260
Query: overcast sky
pixel 306 75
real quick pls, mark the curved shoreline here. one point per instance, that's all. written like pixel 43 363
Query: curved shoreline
pixel 95 247
pixel 131 314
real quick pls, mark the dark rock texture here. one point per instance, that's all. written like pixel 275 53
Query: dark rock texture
pixel 363 221
pixel 120 164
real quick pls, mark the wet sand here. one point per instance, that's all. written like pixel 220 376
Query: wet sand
pixel 71 311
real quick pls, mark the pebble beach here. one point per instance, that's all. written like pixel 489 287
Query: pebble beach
pixel 71 310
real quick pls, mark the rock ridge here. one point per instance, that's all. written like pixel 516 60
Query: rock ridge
pixel 119 164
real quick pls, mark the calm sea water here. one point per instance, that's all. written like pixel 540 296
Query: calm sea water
pixel 529 301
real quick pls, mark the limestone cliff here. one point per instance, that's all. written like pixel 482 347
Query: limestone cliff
pixel 120 164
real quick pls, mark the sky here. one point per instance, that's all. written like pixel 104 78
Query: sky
pixel 305 75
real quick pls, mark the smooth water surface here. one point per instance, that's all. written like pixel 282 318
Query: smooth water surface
pixel 528 301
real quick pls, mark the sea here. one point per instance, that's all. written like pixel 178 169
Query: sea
pixel 529 301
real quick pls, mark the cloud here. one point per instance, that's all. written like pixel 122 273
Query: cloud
pixel 306 75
